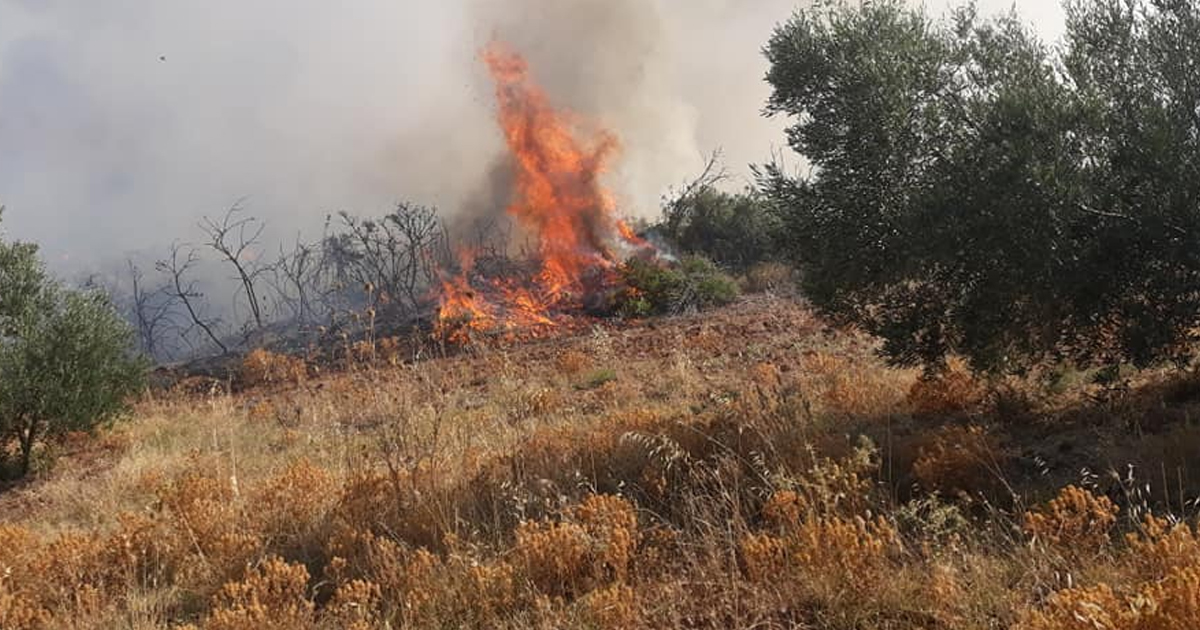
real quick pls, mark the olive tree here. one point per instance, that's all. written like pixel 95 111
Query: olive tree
pixel 65 357
pixel 971 191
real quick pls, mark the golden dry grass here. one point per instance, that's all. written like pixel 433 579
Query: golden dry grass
pixel 749 468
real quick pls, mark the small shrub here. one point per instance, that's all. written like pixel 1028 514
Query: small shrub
pixel 734 229
pixel 598 379
pixel 653 288
pixel 1159 547
pixel 768 277
pixel 1076 520
pixel 950 392
pixel 960 460
pixel 594 546
pixel 572 362
pixel 263 367
pixel 273 597
pixel 65 365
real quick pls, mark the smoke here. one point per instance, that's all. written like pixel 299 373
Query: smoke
pixel 123 122
pixel 635 67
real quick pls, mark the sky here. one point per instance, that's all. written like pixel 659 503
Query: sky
pixel 123 122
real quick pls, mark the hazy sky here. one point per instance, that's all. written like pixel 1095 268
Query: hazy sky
pixel 123 121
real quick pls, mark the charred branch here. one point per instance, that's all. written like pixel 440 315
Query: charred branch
pixel 183 289
pixel 234 239
pixel 152 312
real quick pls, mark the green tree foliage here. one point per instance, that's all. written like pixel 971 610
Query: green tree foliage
pixel 22 281
pixel 65 361
pixel 972 192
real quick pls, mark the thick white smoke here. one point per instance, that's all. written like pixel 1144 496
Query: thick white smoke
pixel 122 122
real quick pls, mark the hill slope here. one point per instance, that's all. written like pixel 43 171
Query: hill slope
pixel 750 467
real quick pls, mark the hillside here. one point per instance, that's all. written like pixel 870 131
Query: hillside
pixel 752 467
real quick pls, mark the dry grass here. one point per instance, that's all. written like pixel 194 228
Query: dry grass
pixel 750 468
pixel 262 367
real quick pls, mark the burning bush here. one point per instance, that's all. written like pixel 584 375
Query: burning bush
pixel 559 198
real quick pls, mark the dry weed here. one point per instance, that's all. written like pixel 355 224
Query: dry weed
pixel 1159 547
pixel 482 491
pixel 613 607
pixel 768 276
pixel 572 362
pixel 951 392
pixel 849 387
pixel 960 460
pixel 1172 603
pixel 852 551
pixel 1096 608
pixel 593 547
pixel 263 367
pixel 1076 521
pixel 273 597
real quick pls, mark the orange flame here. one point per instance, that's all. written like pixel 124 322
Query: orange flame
pixel 558 197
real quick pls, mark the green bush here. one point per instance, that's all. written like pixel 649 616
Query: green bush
pixel 734 230
pixel 654 288
pixel 65 359
pixel 974 191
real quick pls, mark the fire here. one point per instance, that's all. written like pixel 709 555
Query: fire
pixel 559 198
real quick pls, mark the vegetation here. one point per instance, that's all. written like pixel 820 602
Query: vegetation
pixel 750 447
pixel 734 230
pixel 974 193
pixel 978 206
pixel 65 357
pixel 387 264
pixel 653 288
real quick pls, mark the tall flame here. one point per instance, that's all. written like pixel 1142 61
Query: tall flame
pixel 559 198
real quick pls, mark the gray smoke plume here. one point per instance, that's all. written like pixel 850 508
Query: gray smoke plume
pixel 123 122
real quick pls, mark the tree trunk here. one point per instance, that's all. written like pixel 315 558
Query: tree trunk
pixel 28 435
